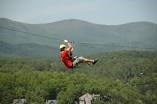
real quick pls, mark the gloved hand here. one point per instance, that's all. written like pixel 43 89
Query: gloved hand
pixel 66 41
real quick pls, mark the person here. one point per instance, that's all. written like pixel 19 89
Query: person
pixel 70 62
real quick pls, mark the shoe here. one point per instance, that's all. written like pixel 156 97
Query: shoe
pixel 95 61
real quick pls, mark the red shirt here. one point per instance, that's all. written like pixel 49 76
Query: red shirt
pixel 66 59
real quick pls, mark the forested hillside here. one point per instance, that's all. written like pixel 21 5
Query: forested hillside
pixel 123 77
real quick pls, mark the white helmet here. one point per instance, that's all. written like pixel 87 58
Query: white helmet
pixel 62 46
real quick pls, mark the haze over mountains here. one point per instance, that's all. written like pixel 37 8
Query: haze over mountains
pixel 21 39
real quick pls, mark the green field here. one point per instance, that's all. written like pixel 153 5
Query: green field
pixel 123 77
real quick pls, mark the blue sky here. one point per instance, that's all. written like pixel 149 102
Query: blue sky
pixel 109 12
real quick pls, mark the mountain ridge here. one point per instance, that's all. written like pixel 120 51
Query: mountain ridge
pixel 79 20
pixel 141 35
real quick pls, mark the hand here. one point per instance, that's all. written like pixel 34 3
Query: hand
pixel 66 41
